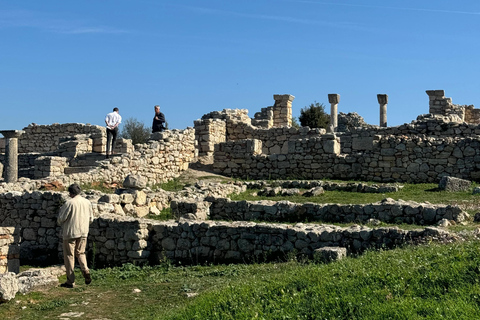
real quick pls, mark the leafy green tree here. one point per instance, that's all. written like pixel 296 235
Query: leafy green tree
pixel 314 116
pixel 135 130
pixel 295 123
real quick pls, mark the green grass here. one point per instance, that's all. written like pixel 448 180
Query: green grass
pixel 165 214
pixel 172 185
pixel 101 186
pixel 424 282
pixel 436 282
pixel 413 192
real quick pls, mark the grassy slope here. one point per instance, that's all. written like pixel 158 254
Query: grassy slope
pixel 426 282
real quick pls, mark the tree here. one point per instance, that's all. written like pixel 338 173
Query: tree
pixel 295 123
pixel 314 116
pixel 135 130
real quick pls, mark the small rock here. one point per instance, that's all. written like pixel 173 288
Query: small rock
pixel 443 223
pixel 134 181
pixel 314 192
pixel 191 294
pixel 8 286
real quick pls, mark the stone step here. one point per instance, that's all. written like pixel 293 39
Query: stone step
pixel 87 159
pixel 71 170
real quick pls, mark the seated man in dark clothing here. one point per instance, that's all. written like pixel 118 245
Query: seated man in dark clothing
pixel 158 121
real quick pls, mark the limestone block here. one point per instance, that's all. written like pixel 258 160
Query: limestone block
pixel 140 198
pixel 453 184
pixel 362 143
pixel 331 146
pixel 126 198
pixel 8 286
pixel 313 192
pixel 329 254
pixel 118 209
pixel 141 211
pixel 31 280
pixel 110 198
pixel 135 181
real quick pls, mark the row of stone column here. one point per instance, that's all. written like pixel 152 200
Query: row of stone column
pixel 334 99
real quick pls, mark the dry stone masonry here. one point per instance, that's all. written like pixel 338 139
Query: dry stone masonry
pixel 9 250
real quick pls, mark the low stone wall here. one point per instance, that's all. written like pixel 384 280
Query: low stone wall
pixel 326 185
pixel 115 239
pixel 121 240
pixel 34 215
pixel 9 250
pixel 388 210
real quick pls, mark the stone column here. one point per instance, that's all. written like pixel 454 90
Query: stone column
pixel 11 154
pixel 333 99
pixel 383 101
pixel 282 110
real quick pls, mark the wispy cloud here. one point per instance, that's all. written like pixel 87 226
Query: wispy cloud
pixel 287 19
pixel 386 7
pixel 47 23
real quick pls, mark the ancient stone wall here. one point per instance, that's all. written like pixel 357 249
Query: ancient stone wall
pixel 472 115
pixel 422 151
pixel 208 133
pixel 158 160
pixel 9 250
pixel 305 158
pixel 116 239
pixel 34 216
pixel 47 138
pixel 388 211
pixel 274 140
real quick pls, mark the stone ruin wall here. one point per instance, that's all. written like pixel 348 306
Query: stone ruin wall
pixel 387 159
pixel 434 145
pixel 388 211
pixel 159 160
pixel 9 250
pixel 120 239
pixel 162 158
pixel 47 138
pixel 217 127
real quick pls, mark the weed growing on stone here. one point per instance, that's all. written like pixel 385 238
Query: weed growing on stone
pixel 165 214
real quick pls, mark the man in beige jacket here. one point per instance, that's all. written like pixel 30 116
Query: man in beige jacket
pixel 75 217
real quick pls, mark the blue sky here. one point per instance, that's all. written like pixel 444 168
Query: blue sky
pixel 73 61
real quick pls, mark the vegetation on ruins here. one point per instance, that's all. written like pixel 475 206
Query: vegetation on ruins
pixel 135 130
pixel 314 116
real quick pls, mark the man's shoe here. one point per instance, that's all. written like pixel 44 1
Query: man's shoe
pixel 88 278
pixel 66 285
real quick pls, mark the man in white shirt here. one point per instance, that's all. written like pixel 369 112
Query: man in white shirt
pixel 75 217
pixel 112 120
